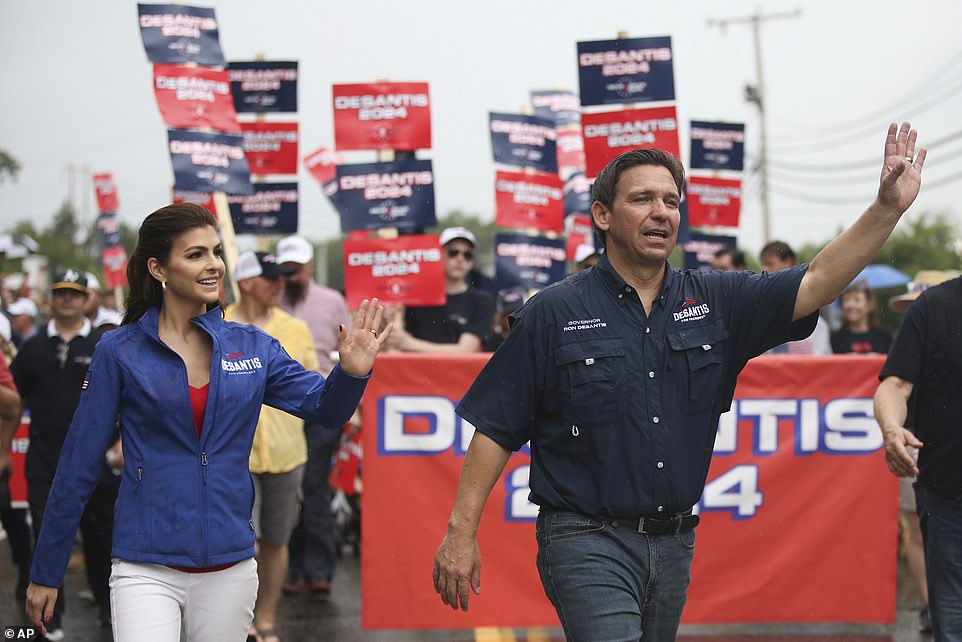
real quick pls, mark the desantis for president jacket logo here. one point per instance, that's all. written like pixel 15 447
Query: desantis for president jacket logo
pixel 691 310
pixel 239 363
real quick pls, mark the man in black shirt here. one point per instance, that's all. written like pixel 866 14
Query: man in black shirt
pixel 921 384
pixel 617 377
pixel 464 321
pixel 49 372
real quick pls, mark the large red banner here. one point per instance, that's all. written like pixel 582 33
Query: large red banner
pixel 194 97
pixel 610 133
pixel 204 199
pixel 524 201
pixel 392 115
pixel 580 231
pixel 714 201
pixel 106 190
pixel 406 270
pixel 799 515
pixel 270 148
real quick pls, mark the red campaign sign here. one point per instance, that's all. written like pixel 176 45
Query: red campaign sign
pixel 714 201
pixel 407 270
pixel 270 148
pixel 115 266
pixel 392 115
pixel 322 164
pixel 610 133
pixel 204 199
pixel 799 516
pixel 106 190
pixel 194 97
pixel 580 231
pixel 571 151
pixel 525 201
pixel 18 460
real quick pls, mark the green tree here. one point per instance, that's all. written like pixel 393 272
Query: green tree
pixel 9 167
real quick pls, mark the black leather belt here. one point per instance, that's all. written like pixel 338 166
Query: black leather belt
pixel 661 524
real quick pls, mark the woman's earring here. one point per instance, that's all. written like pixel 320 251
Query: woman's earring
pixel 163 285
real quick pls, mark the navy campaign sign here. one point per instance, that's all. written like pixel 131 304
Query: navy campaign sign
pixel 532 262
pixel 626 70
pixel 700 249
pixel 271 209
pixel 561 107
pixel 717 145
pixel 176 34
pixel 205 162
pixel 375 195
pixel 260 86
pixel 524 141
pixel 577 195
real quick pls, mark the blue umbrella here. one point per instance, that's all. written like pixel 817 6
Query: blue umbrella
pixel 882 276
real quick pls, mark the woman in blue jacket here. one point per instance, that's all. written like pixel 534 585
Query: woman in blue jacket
pixel 186 387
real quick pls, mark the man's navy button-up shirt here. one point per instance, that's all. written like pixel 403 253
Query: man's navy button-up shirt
pixel 621 408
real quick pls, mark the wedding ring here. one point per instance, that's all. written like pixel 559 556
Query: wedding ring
pixel 374 332
pixel 908 158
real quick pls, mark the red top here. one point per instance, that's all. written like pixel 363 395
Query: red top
pixel 198 405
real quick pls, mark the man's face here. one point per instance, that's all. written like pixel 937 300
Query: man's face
pixel 67 305
pixel 641 227
pixel 295 284
pixel 458 259
pixel 264 291
pixel 771 262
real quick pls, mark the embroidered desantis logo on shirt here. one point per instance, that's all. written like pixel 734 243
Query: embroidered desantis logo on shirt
pixel 692 310
pixel 240 363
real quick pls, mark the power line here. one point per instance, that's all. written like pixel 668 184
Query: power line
pixel 936 77
pixel 871 124
pixel 849 200
pixel 853 165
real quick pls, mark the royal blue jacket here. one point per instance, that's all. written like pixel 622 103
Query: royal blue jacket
pixel 183 501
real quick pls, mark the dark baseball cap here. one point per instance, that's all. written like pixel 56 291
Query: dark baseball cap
pixel 251 264
pixel 70 279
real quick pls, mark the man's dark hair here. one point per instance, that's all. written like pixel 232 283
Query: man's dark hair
pixel 737 257
pixel 781 249
pixel 605 185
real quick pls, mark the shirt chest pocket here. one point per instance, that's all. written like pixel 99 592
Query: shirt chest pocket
pixel 594 372
pixel 695 365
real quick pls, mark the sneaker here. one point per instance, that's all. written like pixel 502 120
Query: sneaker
pixel 55 635
pixel 925 621
pixel 295 587
pixel 319 586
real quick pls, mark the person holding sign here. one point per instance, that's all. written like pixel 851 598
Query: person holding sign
pixel 186 388
pixel 464 321
pixel 617 377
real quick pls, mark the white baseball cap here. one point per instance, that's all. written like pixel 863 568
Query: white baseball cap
pixel 107 316
pixel 584 251
pixel 23 305
pixel 294 249
pixel 451 233
pixel 92 282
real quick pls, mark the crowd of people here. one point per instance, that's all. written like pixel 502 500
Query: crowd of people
pixel 160 414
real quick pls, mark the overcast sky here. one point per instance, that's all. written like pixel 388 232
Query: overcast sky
pixel 77 91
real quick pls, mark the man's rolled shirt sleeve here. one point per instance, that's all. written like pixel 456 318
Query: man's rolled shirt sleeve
pixel 503 400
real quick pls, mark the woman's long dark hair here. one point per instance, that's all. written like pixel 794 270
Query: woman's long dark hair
pixel 155 239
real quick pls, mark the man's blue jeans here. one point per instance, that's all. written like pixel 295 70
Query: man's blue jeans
pixel 941 522
pixel 610 583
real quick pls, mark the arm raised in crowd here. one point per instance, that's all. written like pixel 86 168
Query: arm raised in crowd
pixel 841 260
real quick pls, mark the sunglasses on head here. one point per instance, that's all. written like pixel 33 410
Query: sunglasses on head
pixel 454 252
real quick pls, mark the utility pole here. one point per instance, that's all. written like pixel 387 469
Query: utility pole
pixel 756 95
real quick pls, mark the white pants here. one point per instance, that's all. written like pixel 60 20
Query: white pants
pixel 152 603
